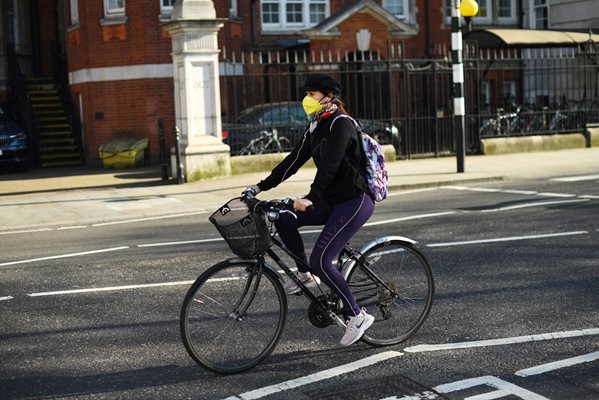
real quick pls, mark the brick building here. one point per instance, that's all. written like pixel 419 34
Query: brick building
pixel 119 63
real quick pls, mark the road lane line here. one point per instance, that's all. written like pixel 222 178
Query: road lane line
pixel 548 194
pixel 576 178
pixel 412 191
pixel 25 231
pixel 110 288
pixel 536 204
pixel 318 376
pixel 390 221
pixel 501 342
pixel 181 242
pixel 64 256
pixel 514 191
pixel 507 239
pixel 149 218
pixel 541 369
pixel 6 298
pixel 588 196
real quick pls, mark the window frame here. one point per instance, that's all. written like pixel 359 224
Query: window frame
pixel 233 9
pixel 534 8
pixel 74 11
pixel 166 9
pixel 281 13
pixel 492 17
pixel 406 8
pixel 108 12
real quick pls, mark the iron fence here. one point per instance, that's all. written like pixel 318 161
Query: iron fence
pixel 408 102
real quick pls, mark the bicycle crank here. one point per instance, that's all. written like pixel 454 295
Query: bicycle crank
pixel 323 313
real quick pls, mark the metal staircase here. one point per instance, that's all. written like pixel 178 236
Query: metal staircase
pixel 57 142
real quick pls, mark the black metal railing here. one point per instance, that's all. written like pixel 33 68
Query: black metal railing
pixel 510 92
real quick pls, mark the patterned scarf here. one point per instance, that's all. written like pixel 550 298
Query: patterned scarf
pixel 328 108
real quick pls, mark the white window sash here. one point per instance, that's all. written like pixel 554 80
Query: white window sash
pixel 74 12
pixel 283 24
pixel 406 5
pixel 114 10
pixel 166 9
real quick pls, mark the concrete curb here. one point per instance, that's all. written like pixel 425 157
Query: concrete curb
pixel 527 144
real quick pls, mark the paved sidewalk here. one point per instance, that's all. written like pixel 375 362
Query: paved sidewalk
pixel 85 196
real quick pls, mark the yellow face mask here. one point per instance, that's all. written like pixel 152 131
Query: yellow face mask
pixel 311 105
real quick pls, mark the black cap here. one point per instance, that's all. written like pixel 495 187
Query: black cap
pixel 323 83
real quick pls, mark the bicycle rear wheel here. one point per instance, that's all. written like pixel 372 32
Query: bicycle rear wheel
pixel 233 316
pixel 394 281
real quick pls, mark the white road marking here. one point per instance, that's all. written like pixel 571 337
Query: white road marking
pixel 513 191
pixel 576 178
pixel 536 204
pixel 110 288
pixel 64 228
pixel 25 231
pixel 318 376
pixel 541 369
pixel 501 342
pixel 181 242
pixel 548 194
pixel 126 204
pixel 525 192
pixel 149 218
pixel 412 191
pixel 5 298
pixel 507 239
pixel 390 221
pixel 64 256
pixel 504 389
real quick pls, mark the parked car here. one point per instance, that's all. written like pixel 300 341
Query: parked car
pixel 13 143
pixel 276 127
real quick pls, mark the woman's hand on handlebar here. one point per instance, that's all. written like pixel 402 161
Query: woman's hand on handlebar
pixel 302 204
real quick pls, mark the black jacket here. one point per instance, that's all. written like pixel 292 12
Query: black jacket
pixel 338 157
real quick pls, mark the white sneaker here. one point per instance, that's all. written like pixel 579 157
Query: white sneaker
pixel 356 326
pixel 307 279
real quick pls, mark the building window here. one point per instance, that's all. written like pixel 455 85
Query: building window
pixel 539 14
pixel 505 9
pixel 294 13
pixel 233 9
pixel 74 12
pixel 317 12
pixel 279 15
pixel 114 7
pixel 399 8
pixel 166 6
pixel 489 11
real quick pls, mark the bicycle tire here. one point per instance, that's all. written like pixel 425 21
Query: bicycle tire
pixel 214 333
pixel 406 271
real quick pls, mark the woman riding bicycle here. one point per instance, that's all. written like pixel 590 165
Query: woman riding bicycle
pixel 339 195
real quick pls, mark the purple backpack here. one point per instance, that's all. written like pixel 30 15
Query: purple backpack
pixel 375 172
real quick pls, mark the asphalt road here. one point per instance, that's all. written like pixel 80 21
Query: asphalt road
pixel 92 312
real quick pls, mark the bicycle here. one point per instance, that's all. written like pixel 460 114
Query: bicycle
pixel 234 313
pixel 267 142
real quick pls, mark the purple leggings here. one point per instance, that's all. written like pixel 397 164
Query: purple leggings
pixel 341 221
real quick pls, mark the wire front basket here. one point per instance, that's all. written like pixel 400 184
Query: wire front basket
pixel 244 230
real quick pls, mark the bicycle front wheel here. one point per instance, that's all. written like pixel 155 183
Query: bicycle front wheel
pixel 394 281
pixel 233 316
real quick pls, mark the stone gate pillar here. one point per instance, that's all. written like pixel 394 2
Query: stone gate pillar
pixel 194 28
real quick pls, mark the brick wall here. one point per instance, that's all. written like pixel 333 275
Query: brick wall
pixel 125 106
